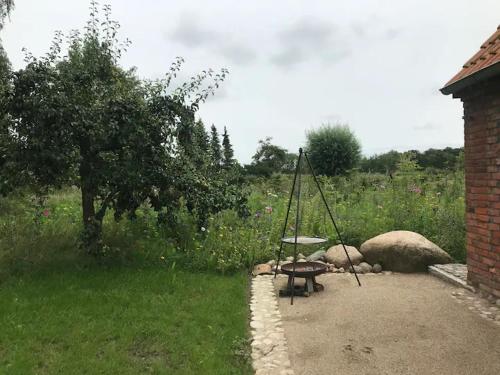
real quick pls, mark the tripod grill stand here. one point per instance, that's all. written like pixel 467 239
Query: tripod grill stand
pixel 305 240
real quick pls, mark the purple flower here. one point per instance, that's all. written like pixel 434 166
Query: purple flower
pixel 258 214
pixel 46 212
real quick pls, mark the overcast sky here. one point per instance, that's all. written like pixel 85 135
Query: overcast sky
pixel 376 65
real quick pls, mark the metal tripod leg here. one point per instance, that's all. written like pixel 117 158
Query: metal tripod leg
pixel 287 213
pixel 331 217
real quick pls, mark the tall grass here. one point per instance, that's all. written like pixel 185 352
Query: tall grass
pixel 38 235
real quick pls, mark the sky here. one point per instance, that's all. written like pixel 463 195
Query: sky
pixel 294 65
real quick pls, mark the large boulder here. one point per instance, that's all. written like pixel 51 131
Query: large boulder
pixel 336 255
pixel 403 251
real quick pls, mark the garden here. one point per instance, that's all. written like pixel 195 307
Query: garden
pixel 128 230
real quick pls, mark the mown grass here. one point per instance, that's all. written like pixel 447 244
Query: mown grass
pixel 123 321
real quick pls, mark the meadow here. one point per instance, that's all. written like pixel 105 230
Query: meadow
pixel 36 234
pixel 166 300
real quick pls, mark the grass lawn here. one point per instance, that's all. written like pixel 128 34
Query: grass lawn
pixel 124 321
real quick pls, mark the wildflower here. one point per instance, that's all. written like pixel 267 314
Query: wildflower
pixel 416 190
pixel 162 258
pixel 46 213
pixel 258 214
pixel 203 229
pixel 269 209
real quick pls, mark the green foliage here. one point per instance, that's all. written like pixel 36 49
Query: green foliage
pixel 269 159
pixel 81 119
pixel 6 7
pixel 39 234
pixel 333 149
pixel 431 159
pixel 383 163
pixel 5 91
pixel 227 151
pixel 215 148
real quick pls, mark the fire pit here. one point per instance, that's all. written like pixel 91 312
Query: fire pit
pixel 306 270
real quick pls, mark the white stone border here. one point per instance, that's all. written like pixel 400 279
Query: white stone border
pixel 269 346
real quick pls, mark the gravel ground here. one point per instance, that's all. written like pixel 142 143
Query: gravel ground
pixel 393 324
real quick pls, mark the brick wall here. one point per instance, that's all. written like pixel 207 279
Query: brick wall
pixel 482 182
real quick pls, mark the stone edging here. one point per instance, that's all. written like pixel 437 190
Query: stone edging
pixel 444 272
pixel 269 346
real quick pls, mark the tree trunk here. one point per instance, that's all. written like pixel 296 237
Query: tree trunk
pixel 92 225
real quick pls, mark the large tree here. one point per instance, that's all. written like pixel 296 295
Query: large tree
pixel 81 119
pixel 333 149
pixel 5 144
pixel 270 158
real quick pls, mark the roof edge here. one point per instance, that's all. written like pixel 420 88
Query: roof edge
pixel 469 80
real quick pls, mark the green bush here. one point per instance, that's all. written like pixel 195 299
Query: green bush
pixel 333 149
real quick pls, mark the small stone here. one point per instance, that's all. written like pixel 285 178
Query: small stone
pixel 272 262
pixel 318 255
pixel 377 268
pixel 302 260
pixel 301 256
pixel 365 267
pixel 289 259
pixel 341 270
pixel 358 269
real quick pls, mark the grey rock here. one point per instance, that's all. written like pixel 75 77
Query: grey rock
pixel 317 255
pixel 403 251
pixel 358 269
pixel 336 255
pixel 365 267
pixel 341 270
pixel 377 268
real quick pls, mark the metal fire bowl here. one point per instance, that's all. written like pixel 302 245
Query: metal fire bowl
pixel 304 269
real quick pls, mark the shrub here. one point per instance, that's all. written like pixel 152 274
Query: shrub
pixel 333 150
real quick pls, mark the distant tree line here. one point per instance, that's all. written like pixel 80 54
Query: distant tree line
pixel 335 150
pixel 437 159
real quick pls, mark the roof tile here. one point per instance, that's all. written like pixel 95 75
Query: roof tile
pixel 488 55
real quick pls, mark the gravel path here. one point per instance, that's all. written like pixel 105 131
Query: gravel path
pixel 393 324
